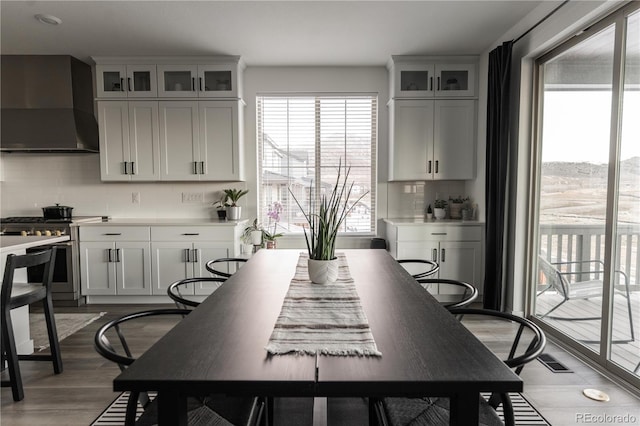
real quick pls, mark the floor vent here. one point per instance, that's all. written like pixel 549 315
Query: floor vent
pixel 553 364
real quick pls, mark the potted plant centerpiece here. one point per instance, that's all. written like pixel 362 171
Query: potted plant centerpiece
pixel 325 217
pixel 439 209
pixel 233 209
pixel 252 234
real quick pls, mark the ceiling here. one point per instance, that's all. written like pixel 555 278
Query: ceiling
pixel 287 33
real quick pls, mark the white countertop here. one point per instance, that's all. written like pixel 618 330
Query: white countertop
pixel 421 221
pixel 167 222
pixel 10 243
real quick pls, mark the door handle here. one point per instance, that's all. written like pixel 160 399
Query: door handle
pixel 442 258
pixel 434 255
pixel 129 84
pixel 112 233
pixel 187 255
pixel 117 255
pixel 429 168
pixel 195 167
pixel 191 233
pixel 436 166
pixel 124 164
pixel 438 83
pixel 133 168
pixel 431 84
pixel 200 83
pixel 195 256
pixel 202 168
pixel 109 256
pixel 193 84
pixel 122 84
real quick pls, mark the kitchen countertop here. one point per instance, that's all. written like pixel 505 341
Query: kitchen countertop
pixel 10 243
pixel 421 221
pixel 166 222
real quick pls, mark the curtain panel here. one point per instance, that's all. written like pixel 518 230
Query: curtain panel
pixel 497 155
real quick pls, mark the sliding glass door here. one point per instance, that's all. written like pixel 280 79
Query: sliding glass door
pixel 586 283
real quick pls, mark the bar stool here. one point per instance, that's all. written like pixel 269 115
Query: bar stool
pixel 228 260
pixel 15 295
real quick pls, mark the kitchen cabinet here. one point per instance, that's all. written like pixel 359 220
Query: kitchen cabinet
pixel 115 261
pixel 199 80
pixel 432 139
pixel 129 140
pixel 181 252
pixel 457 248
pixel 126 81
pixel 429 77
pixel 201 140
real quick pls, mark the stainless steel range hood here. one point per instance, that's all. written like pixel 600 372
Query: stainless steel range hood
pixel 47 104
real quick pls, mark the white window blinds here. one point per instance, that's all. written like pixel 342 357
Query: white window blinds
pixel 301 142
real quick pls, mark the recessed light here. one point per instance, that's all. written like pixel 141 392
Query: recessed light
pixel 48 19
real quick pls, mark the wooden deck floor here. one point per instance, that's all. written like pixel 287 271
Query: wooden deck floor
pixel 624 351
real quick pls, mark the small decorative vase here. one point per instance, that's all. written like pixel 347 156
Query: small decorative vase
pixel 323 271
pixel 233 212
pixel 256 238
pixel 271 244
pixel 429 216
pixel 439 213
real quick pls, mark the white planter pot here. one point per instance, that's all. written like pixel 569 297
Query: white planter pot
pixel 256 238
pixel 439 213
pixel 322 271
pixel 233 213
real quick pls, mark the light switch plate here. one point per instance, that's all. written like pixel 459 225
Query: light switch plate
pixel 192 197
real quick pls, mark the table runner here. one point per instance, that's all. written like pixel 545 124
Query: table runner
pixel 322 318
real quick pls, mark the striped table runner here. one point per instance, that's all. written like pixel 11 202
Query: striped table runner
pixel 322 318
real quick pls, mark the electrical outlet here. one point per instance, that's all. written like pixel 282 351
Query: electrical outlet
pixel 192 197
pixel 135 197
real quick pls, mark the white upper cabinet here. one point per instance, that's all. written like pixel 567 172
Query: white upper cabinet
pixel 429 77
pixel 199 80
pixel 126 81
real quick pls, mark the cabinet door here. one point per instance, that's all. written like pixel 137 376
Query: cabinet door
pixel 414 80
pixel 205 252
pixel 110 81
pixel 177 81
pixel 113 119
pixel 419 250
pixel 411 147
pixel 179 140
pixel 454 80
pixel 97 271
pixel 133 268
pixel 217 81
pixel 141 81
pixel 454 139
pixel 170 262
pixel 219 143
pixel 144 141
pixel 461 260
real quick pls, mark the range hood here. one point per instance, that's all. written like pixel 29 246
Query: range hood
pixel 47 104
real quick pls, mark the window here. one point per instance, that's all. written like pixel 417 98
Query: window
pixel 301 142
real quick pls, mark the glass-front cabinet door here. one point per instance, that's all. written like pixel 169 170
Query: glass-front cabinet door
pixel 126 81
pixel 455 80
pixel 177 81
pixel 217 81
pixel 414 81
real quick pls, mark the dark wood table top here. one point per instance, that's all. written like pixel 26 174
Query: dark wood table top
pixel 221 345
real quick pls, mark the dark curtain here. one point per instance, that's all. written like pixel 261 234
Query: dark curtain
pixel 496 172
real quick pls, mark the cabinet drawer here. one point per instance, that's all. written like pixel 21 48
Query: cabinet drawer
pixel 114 233
pixel 440 233
pixel 192 233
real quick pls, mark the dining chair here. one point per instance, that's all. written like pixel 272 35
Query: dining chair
pixel 527 343
pixel 16 294
pixel 225 260
pixel 463 293
pixel 581 288
pixel 110 342
pixel 175 293
pixel 427 267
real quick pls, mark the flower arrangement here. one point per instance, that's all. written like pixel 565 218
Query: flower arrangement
pixel 326 216
pixel 274 216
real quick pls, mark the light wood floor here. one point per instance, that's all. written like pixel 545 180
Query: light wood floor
pixel 83 390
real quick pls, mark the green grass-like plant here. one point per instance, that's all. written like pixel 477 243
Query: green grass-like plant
pixel 327 216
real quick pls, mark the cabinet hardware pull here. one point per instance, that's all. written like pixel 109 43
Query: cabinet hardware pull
pixel 438 83
pixel 429 168
pixel 436 166
pixel 122 84
pixel 191 233
pixel 133 168
pixel 117 255
pixel 113 233
pixel 434 255
pixel 129 84
pixel 443 259
pixel 438 233
pixel 431 84
pixel 187 255
pixel 200 83
pixel 195 167
pixel 193 84
pixel 126 171
pixel 109 256
pixel 195 255
pixel 202 168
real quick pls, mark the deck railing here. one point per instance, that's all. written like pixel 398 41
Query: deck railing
pixel 578 243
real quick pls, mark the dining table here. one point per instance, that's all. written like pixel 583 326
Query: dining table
pixel 220 347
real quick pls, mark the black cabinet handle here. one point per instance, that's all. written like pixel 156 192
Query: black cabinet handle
pixel 429 168
pixel 133 169
pixel 191 233
pixel 202 168
pixel 129 84
pixel 438 83
pixel 187 255
pixel 124 164
pixel 122 84
pixel 195 167
pixel 193 84
pixel 112 233
pixel 195 255
pixel 434 255
pixel 109 256
pixel 200 82
pixel 436 166
pixel 431 83
pixel 117 255
pixel 443 258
